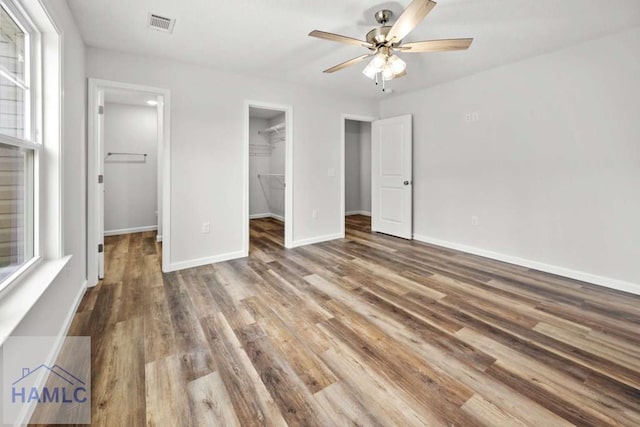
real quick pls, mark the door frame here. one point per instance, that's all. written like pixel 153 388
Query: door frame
pixel 288 170
pixel 95 164
pixel 343 128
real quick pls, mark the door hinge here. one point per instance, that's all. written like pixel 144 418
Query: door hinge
pixel 100 109
pixel 100 248
pixel 100 179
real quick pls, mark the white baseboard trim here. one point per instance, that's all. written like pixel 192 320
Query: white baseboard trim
pixel 267 215
pixel 319 239
pixel 41 380
pixel 158 238
pixel 365 213
pixel 130 230
pixel 606 282
pixel 260 215
pixel 204 261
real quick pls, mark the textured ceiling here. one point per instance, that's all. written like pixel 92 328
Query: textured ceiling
pixel 268 38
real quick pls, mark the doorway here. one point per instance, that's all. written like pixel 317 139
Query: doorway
pixel 356 172
pixel 269 188
pixel 357 175
pixel 128 191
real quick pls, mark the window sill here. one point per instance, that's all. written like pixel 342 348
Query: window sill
pixel 19 299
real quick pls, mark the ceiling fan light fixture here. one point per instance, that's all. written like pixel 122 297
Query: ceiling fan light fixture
pixel 384 41
pixel 378 62
pixel 370 71
pixel 387 73
pixel 396 64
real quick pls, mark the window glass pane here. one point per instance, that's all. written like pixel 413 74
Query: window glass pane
pixel 12 46
pixel 11 109
pixel 12 70
pixel 15 221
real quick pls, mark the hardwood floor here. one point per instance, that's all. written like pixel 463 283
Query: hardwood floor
pixel 370 330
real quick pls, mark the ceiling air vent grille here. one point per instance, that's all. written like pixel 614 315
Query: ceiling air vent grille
pixel 160 23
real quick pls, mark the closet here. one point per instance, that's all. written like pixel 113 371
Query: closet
pixel 267 144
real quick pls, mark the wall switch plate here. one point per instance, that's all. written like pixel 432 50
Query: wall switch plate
pixel 331 172
pixel 314 214
pixel 475 220
pixel 205 227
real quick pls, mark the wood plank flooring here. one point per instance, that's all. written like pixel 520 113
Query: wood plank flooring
pixel 369 330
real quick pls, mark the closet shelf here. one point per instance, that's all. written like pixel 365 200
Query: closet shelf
pixel 276 128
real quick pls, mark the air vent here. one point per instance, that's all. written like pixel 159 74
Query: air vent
pixel 160 23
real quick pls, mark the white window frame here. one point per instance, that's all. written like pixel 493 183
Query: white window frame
pixel 32 141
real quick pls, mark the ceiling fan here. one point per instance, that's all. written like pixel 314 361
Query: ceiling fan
pixel 385 40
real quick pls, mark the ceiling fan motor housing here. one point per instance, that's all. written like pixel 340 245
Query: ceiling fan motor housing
pixel 378 37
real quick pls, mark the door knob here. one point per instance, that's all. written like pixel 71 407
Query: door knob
pixel 406 183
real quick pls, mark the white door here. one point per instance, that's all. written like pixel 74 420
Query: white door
pixel 100 164
pixel 391 177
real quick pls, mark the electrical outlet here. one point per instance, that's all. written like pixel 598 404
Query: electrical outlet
pixel 467 117
pixel 314 214
pixel 475 220
pixel 205 227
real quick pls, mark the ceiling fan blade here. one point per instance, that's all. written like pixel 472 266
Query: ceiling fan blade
pixel 338 38
pixel 412 16
pixel 347 64
pixel 436 45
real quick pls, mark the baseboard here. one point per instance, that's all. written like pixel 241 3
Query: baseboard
pixel 606 282
pixel 319 239
pixel 260 215
pixel 41 380
pixel 267 215
pixel 204 261
pixel 130 230
pixel 365 213
pixel 158 238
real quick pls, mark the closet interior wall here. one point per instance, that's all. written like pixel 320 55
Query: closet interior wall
pixel 266 167
pixel 357 168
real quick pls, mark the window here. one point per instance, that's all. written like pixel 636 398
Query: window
pixel 18 146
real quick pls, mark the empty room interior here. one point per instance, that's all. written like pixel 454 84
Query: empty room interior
pixel 320 214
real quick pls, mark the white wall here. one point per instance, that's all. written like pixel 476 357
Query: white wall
pixel 552 167
pixel 258 164
pixel 357 167
pixel 278 155
pixel 277 166
pixel 130 184
pixel 365 167
pixel 352 165
pixel 207 124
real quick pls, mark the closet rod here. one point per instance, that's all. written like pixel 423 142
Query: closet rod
pixel 277 128
pixel 126 154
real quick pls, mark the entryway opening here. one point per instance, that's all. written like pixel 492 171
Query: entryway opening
pixel 357 174
pixel 131 162
pixel 127 208
pixel 268 136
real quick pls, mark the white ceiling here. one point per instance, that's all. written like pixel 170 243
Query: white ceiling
pixel 268 38
pixel 262 113
pixel 117 96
